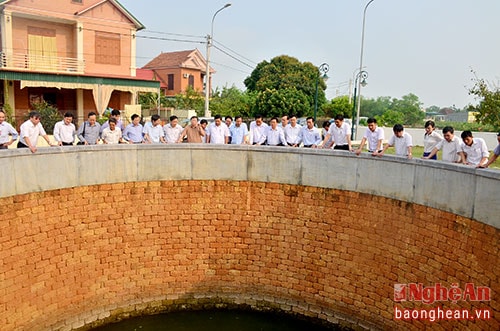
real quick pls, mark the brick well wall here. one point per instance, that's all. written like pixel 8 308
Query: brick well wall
pixel 72 257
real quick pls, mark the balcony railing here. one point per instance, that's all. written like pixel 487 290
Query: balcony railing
pixel 41 63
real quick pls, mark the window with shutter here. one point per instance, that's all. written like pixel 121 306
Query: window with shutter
pixel 170 82
pixel 42 48
pixel 107 48
pixel 191 81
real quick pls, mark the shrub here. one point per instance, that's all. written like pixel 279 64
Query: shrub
pixel 50 115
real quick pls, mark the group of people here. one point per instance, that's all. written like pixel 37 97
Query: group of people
pixel 279 132
pixel 470 151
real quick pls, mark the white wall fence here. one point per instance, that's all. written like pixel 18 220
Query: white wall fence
pixel 465 191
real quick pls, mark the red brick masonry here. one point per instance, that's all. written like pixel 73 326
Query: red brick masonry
pixel 71 257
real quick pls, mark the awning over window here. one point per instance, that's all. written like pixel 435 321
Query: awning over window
pixel 101 87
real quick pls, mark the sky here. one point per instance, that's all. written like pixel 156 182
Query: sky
pixel 424 47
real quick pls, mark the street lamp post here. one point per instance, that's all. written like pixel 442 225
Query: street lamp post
pixel 323 69
pixel 361 65
pixel 207 74
pixel 363 75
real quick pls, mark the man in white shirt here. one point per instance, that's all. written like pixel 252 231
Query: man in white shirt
pixel 155 134
pixel 115 113
pixel 274 134
pixel 30 131
pixel 292 132
pixel 375 137
pixel 229 123
pixel 401 141
pixel 217 132
pixel 65 131
pixel 112 134
pixel 495 155
pixel 284 121
pixel 258 131
pixel 309 136
pixel 340 133
pixel 450 145
pixel 172 130
pixel 6 130
pixel 475 151
pixel 239 132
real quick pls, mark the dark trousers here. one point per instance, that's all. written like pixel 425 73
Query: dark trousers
pixel 67 144
pixel 21 145
pixel 432 158
pixel 342 147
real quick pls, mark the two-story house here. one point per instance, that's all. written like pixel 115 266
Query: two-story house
pixel 79 55
pixel 180 71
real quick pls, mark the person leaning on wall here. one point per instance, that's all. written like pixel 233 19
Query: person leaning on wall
pixel 30 131
pixel 7 132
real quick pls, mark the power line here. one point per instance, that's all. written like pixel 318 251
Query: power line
pixel 229 49
pixel 226 66
pixel 233 57
pixel 171 34
pixel 172 39
pixel 155 38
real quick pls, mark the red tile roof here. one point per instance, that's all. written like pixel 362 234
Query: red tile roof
pixel 190 59
pixel 169 60
pixel 146 74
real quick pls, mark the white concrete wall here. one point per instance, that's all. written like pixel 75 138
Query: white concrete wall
pixel 465 191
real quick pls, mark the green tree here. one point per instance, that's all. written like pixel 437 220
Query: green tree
pixel 488 109
pixel 148 100
pixel 272 103
pixel 190 99
pixel 374 107
pixel 285 85
pixel 50 115
pixel 339 105
pixel 232 101
pixel 406 110
pixel 410 107
pixel 390 118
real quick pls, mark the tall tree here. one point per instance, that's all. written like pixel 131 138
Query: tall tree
pixel 411 108
pixel 406 110
pixel 338 106
pixel 285 85
pixel 190 99
pixel 232 101
pixel 488 109
pixel 375 107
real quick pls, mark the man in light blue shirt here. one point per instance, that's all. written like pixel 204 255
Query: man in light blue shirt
pixel 309 136
pixel 133 131
pixel 239 132
pixel 154 133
